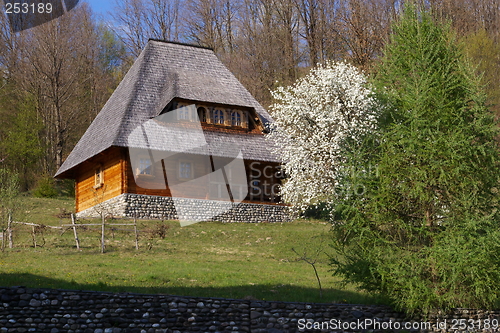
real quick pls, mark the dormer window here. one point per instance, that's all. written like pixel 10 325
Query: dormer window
pixel 219 117
pixel 202 114
pixel 183 113
pixel 235 118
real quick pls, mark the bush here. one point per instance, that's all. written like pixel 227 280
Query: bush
pixel 66 187
pixel 321 211
pixel 46 188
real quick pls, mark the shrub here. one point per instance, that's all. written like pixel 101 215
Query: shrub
pixel 321 211
pixel 46 188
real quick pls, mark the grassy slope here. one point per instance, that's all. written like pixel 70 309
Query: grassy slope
pixel 205 259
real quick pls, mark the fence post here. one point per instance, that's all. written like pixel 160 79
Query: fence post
pixel 102 236
pixel 136 234
pixel 9 232
pixel 33 235
pixel 74 232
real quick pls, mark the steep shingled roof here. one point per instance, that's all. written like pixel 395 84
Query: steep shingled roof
pixel 162 72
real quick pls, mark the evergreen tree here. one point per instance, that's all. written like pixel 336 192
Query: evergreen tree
pixel 484 53
pixel 424 228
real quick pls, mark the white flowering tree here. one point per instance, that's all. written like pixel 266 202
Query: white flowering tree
pixel 333 104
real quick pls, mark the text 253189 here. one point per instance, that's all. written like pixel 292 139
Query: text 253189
pixel 28 8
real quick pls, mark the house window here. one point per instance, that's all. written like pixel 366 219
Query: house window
pixel 185 170
pixel 145 167
pixel 202 114
pixel 219 117
pixel 99 177
pixel 183 113
pixel 235 118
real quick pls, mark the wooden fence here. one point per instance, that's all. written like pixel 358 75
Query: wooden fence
pixel 35 228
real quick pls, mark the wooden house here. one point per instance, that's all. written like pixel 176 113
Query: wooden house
pixel 168 77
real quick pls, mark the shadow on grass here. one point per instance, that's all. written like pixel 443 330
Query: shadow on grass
pixel 252 292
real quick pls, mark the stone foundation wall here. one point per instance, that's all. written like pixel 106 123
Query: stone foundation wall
pixel 115 206
pixel 56 311
pixel 157 207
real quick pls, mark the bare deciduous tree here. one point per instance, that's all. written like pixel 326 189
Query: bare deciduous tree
pixel 57 66
pixel 364 27
pixel 55 48
pixel 138 20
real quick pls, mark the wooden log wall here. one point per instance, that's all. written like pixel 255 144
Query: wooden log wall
pixel 87 193
pixel 119 177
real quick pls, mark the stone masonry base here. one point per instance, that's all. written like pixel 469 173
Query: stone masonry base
pixel 168 208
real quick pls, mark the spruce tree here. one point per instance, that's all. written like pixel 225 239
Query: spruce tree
pixel 424 228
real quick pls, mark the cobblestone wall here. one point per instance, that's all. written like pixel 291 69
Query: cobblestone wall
pixel 149 206
pixel 47 310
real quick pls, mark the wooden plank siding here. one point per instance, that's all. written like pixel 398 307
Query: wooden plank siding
pixel 118 178
pixel 264 172
pixel 87 195
pixel 156 184
pixel 268 175
pixel 155 181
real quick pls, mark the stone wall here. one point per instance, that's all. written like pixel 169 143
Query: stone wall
pixel 157 207
pixel 47 310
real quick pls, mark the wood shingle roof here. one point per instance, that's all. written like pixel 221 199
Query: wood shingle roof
pixel 162 72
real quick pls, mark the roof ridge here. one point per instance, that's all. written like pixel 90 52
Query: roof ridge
pixel 180 43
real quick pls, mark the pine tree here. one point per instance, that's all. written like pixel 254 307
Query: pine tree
pixel 424 230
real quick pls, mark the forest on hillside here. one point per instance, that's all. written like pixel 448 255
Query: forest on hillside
pixel 56 77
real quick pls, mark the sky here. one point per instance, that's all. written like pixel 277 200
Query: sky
pixel 100 6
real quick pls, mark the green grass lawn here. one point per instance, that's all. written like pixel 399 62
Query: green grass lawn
pixel 230 260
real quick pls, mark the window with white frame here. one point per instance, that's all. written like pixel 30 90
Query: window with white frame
pixel 183 114
pixel 235 118
pixel 218 117
pixel 145 166
pixel 98 177
pixel 185 170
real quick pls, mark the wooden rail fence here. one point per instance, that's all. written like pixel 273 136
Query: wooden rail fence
pixel 64 227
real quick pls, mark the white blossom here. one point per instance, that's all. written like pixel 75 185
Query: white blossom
pixel 312 119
